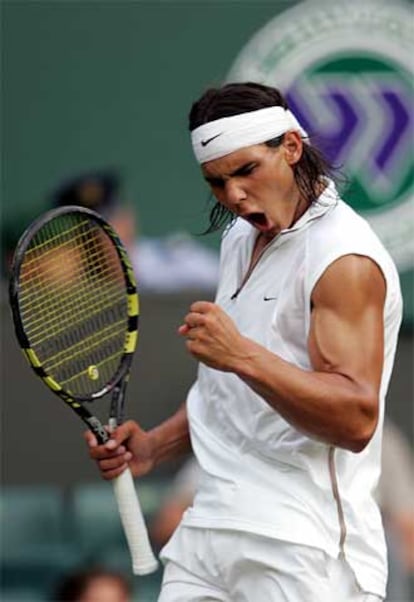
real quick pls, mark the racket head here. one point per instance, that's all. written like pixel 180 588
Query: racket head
pixel 74 302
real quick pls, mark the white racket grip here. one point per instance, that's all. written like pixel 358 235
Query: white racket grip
pixel 143 559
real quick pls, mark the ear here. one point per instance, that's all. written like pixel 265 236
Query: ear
pixel 293 146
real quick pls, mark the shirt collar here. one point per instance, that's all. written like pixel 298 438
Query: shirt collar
pixel 327 200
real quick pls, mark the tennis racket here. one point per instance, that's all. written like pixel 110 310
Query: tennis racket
pixel 75 310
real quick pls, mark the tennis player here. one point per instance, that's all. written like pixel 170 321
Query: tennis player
pixel 295 357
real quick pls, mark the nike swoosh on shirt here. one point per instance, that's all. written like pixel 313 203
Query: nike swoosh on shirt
pixel 205 142
pixel 265 298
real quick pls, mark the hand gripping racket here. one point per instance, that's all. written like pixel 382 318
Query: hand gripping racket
pixel 75 310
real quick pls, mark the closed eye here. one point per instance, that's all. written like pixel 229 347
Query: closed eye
pixel 215 182
pixel 244 170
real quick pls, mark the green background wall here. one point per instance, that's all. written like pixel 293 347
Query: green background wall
pixel 90 84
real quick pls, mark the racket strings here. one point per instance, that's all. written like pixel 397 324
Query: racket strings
pixel 64 349
pixel 82 308
pixel 48 242
pixel 74 304
pixel 86 373
pixel 35 279
pixel 80 347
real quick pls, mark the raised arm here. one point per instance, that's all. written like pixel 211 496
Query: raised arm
pixel 337 402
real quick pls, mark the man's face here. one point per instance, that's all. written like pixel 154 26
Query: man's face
pixel 257 183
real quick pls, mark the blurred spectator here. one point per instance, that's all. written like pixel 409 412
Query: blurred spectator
pixel 172 263
pixel 396 499
pixel 93 585
pixel 178 498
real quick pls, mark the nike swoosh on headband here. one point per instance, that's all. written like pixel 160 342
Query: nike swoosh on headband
pixel 205 142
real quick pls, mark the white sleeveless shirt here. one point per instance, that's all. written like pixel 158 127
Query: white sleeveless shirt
pixel 260 474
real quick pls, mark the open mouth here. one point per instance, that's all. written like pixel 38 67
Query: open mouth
pixel 258 220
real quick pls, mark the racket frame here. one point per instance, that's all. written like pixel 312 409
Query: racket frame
pixel 143 560
pixel 132 295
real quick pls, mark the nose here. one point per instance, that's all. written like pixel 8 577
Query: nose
pixel 235 192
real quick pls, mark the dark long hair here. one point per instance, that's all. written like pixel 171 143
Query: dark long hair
pixel 236 98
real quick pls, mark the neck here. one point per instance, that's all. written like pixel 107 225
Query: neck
pixel 301 207
pixel 303 204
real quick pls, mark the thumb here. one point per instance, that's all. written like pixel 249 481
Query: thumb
pixel 121 434
pixel 183 330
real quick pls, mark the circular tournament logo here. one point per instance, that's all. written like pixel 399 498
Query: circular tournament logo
pixel 346 69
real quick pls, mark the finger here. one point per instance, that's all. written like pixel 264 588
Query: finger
pixel 196 334
pixel 90 439
pixel 202 307
pixel 108 475
pixel 111 445
pixel 114 463
pixel 101 452
pixel 183 330
pixel 193 347
pixel 121 434
pixel 193 319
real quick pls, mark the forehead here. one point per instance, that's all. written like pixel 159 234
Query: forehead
pixel 230 163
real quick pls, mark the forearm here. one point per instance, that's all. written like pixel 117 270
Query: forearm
pixel 326 405
pixel 171 438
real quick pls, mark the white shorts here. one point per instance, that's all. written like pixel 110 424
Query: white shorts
pixel 214 565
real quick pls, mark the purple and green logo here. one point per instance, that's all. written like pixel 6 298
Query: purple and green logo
pixel 347 71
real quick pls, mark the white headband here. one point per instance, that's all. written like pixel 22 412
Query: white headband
pixel 218 138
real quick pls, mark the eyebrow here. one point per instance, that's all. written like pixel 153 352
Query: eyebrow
pixel 237 172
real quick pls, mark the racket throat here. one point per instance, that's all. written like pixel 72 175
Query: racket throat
pixel 116 413
pixel 95 425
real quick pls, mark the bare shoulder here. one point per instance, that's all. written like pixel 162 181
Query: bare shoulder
pixel 348 301
pixel 350 281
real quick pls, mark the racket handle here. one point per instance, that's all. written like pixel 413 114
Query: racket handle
pixel 143 559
